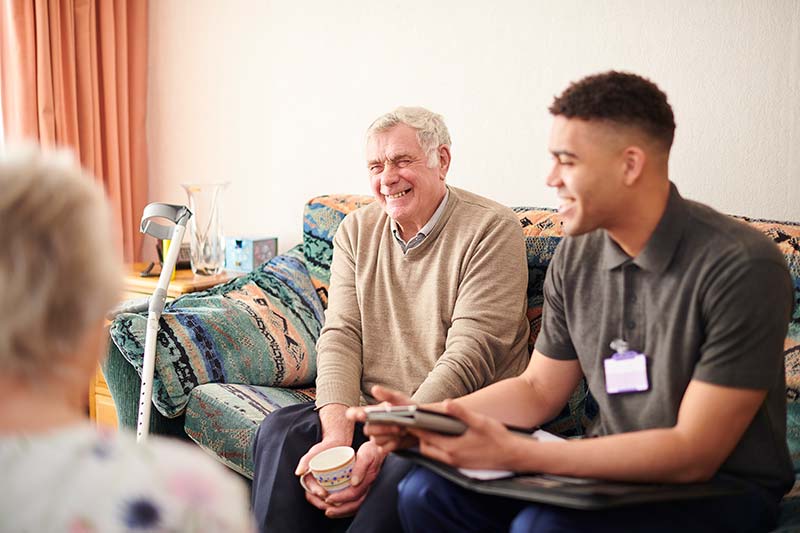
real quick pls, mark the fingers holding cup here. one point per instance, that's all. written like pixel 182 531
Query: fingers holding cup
pixel 331 470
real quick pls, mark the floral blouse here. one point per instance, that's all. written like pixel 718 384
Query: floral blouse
pixel 80 480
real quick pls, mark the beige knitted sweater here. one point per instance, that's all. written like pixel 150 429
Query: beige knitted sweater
pixel 443 320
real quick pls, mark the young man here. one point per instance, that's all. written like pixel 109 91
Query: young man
pixel 700 300
pixel 414 306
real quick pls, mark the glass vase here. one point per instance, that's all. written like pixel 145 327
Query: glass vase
pixel 206 238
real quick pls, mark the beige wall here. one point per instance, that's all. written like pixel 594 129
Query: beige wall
pixel 274 96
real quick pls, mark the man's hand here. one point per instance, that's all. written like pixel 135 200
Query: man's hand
pixel 486 444
pixel 369 460
pixel 387 437
pixel 336 431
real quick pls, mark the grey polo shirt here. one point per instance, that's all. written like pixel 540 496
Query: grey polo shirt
pixel 709 298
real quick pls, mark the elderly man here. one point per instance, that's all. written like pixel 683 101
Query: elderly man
pixel 427 296
pixel 697 386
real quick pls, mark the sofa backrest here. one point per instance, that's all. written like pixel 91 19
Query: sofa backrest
pixel 542 230
pixel 321 218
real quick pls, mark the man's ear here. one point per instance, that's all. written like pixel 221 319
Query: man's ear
pixel 633 161
pixel 444 161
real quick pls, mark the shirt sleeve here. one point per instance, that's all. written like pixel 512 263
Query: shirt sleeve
pixel 339 355
pixel 746 308
pixel 554 339
pixel 488 318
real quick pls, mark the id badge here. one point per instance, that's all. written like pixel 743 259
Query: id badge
pixel 626 372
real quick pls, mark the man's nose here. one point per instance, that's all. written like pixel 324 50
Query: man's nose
pixel 553 179
pixel 389 175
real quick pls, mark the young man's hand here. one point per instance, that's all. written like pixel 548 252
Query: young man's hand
pixel 387 437
pixel 487 443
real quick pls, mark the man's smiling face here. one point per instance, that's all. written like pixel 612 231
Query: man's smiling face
pixel 588 173
pixel 401 180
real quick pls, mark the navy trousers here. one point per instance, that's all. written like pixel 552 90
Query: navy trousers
pixel 278 500
pixel 428 502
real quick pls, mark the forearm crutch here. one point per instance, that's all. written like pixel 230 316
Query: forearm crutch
pixel 178 215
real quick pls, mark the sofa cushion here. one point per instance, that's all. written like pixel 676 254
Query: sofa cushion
pixel 258 329
pixel 321 219
pixel 223 418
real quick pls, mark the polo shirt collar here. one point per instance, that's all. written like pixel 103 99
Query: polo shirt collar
pixel 424 230
pixel 662 244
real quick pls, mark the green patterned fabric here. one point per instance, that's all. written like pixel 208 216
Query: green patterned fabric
pixel 258 329
pixel 223 418
pixel 321 219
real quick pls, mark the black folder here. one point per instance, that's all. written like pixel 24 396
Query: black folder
pixel 579 493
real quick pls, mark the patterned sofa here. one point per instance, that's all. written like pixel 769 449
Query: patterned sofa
pixel 229 356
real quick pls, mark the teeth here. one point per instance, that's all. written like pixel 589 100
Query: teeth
pixel 398 195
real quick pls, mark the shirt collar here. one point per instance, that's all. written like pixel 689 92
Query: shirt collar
pixel 428 227
pixel 661 246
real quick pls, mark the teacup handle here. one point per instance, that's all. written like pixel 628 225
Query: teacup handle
pixel 303 481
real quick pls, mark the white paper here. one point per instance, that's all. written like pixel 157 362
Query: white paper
pixel 485 475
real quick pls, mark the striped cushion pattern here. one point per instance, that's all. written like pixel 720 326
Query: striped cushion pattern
pixel 223 418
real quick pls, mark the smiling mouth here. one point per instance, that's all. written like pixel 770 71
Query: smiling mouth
pixel 565 204
pixel 397 195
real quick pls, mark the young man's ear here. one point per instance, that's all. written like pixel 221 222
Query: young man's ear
pixel 444 161
pixel 633 161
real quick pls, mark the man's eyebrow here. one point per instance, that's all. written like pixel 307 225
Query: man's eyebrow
pixel 392 158
pixel 567 153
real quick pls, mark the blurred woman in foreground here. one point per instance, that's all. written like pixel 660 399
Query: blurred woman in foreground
pixel 58 277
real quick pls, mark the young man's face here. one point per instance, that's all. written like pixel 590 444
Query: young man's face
pixel 587 171
pixel 401 180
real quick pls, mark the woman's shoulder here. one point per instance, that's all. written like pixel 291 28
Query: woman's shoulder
pixel 106 480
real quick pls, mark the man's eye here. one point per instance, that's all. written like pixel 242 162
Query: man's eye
pixel 403 162
pixel 374 169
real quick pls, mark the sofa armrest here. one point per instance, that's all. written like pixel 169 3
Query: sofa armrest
pixel 125 386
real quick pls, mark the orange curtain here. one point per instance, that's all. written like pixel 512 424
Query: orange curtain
pixel 74 74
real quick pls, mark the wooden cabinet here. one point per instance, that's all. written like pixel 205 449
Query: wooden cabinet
pixel 101 404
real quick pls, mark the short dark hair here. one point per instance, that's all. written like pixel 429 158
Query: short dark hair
pixel 620 97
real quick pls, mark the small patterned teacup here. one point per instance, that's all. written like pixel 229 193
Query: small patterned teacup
pixel 331 468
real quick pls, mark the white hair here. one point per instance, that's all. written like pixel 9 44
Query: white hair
pixel 431 129
pixel 59 270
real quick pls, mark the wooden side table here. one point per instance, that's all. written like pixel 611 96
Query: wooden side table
pixel 101 406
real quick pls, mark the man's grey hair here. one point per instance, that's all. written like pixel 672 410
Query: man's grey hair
pixel 59 269
pixel 431 129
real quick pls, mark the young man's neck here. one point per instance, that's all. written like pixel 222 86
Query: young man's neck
pixel 636 225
